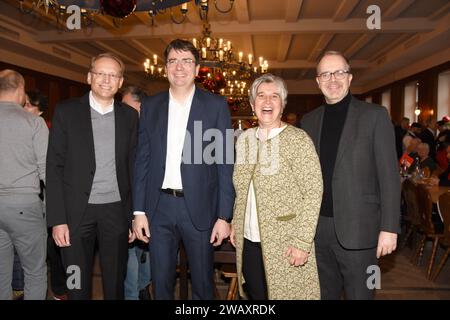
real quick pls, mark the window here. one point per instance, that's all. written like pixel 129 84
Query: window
pixel 411 100
pixel 443 105
pixel 386 100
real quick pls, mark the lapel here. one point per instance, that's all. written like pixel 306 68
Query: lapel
pixel 119 129
pixel 348 135
pixel 85 133
pixel 195 113
pixel 162 122
pixel 317 125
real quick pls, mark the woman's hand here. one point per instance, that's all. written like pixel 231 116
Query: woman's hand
pixel 297 257
pixel 233 236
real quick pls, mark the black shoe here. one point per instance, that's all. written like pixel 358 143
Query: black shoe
pixel 17 295
pixel 145 294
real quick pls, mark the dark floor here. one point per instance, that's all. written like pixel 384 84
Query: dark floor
pixel 400 279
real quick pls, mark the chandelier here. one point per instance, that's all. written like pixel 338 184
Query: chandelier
pixel 118 9
pixel 222 70
pixel 153 69
pixel 225 71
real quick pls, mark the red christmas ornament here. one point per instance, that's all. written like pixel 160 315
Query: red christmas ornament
pixel 202 74
pixel 220 81
pixel 118 8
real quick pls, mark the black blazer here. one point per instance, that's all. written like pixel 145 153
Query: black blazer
pixel 71 160
pixel 366 181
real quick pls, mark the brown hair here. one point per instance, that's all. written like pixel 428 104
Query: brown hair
pixel 182 45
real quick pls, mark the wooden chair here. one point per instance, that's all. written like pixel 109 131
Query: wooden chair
pixel 225 256
pixel 444 211
pixel 412 217
pixel 429 231
pixel 426 172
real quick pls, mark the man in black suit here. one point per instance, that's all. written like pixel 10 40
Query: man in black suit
pixel 428 136
pixel 89 171
pixel 360 213
pixel 179 192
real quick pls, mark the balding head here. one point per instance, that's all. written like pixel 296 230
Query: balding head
pixel 12 87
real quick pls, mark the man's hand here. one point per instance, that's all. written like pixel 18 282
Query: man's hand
pixel 387 243
pixel 61 236
pixel 297 257
pixel 131 236
pixel 220 231
pixel 140 223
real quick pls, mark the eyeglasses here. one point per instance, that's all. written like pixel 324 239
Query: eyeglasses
pixel 103 75
pixel 185 62
pixel 338 75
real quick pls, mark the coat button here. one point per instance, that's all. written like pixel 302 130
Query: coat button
pixel 92 172
pixel 86 193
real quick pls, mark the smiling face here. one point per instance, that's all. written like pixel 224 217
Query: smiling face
pixel 334 90
pixel 181 75
pixel 268 105
pixel 105 79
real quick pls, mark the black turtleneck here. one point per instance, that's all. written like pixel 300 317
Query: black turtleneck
pixel 332 126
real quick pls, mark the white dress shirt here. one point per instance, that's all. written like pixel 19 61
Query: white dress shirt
pixel 98 107
pixel 251 225
pixel 176 133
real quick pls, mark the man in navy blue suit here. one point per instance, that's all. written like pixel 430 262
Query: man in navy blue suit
pixel 179 193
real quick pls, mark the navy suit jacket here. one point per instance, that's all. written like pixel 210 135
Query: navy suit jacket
pixel 208 187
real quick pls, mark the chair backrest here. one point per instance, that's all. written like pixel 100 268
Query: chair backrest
pixel 444 211
pixel 426 172
pixel 425 208
pixel 225 253
pixel 409 191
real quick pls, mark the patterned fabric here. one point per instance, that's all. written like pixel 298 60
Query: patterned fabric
pixel 287 180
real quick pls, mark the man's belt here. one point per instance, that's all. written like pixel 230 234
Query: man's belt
pixel 174 192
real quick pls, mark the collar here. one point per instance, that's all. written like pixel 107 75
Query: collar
pixel 188 99
pixel 272 133
pixel 98 107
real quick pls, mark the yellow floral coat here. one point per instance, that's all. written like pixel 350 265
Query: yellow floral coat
pixel 287 180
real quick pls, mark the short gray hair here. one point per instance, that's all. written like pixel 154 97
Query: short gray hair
pixel 10 80
pixel 333 53
pixel 269 78
pixel 136 93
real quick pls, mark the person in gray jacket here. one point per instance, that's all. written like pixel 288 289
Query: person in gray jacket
pixel 360 212
pixel 23 145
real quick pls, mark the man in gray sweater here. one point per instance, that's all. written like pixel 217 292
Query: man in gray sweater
pixel 23 148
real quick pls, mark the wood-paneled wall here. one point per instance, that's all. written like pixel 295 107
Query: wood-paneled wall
pixel 55 88
pixel 58 89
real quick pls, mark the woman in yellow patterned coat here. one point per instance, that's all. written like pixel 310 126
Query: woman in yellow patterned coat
pixel 278 184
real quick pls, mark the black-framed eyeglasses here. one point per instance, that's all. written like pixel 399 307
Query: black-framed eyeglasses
pixel 338 75
pixel 104 75
pixel 185 62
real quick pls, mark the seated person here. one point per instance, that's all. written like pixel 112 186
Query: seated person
pixel 425 161
pixel 410 156
pixel 440 176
